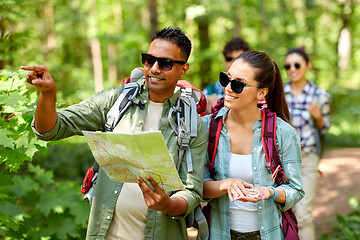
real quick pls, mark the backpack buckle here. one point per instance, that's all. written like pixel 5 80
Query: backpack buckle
pixel 268 167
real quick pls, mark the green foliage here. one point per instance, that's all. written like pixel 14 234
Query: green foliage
pixel 68 160
pixel 346 227
pixel 345 123
pixel 32 204
pixel 17 107
pixel 42 208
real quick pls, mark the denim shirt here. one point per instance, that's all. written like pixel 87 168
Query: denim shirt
pixel 91 115
pixel 269 211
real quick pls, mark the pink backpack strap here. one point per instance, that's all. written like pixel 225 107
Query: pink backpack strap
pixel 214 135
pixel 268 136
pixel 215 127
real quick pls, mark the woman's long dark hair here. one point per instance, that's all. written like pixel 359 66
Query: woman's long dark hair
pixel 268 75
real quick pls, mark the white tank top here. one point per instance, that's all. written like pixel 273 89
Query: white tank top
pixel 243 215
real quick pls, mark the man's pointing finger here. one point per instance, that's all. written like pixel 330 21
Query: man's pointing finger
pixel 34 68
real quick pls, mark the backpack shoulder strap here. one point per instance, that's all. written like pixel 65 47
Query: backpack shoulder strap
pixel 268 137
pixel 123 102
pixel 185 126
pixel 215 127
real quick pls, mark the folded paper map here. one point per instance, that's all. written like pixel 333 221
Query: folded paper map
pixel 125 156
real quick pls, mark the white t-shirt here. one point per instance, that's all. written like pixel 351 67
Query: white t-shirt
pixel 243 215
pixel 129 219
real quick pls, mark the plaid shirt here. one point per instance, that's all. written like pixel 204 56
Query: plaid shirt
pixel 269 211
pixel 301 118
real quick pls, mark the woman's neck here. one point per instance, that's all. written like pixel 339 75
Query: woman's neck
pixel 245 117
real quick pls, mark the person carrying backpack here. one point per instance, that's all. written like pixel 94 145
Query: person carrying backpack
pixel 247 202
pixel 309 108
pixel 134 210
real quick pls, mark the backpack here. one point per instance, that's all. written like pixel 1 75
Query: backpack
pixel 268 136
pixel 190 103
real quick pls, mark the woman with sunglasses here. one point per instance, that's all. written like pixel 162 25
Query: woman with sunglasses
pixel 310 110
pixel 240 161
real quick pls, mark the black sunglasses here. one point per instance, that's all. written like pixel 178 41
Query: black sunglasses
pixel 164 63
pixel 288 66
pixel 237 86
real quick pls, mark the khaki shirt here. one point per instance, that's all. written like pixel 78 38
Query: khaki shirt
pixel 91 115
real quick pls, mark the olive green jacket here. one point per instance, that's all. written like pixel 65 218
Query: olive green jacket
pixel 91 115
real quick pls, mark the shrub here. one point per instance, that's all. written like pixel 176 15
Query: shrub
pixel 32 204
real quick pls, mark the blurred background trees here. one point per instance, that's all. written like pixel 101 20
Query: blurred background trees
pixel 90 45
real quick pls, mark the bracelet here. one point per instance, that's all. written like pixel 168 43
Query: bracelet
pixel 276 193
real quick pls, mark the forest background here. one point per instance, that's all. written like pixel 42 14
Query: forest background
pixel 90 45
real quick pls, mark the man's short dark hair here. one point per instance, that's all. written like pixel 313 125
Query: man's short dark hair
pixel 177 36
pixel 236 44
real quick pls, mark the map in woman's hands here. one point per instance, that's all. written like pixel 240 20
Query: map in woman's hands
pixel 125 156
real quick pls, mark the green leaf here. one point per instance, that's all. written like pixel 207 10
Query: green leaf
pixel 13 210
pixel 66 227
pixel 24 185
pixel 41 175
pixel 23 140
pixel 13 82
pixel 5 140
pixel 9 222
pixel 31 149
pixel 13 99
pixel 81 212
pixel 50 200
pixel 13 159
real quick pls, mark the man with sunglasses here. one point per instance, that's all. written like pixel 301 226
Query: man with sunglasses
pixel 232 49
pixel 133 210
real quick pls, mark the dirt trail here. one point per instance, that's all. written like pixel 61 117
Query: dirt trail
pixel 340 180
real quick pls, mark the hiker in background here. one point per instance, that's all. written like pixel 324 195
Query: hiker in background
pixel 240 162
pixel 309 108
pixel 232 49
pixel 133 210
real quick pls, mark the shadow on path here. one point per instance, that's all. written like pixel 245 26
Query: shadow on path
pixel 340 180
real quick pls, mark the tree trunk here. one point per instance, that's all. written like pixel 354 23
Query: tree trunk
pixel 205 62
pixel 237 18
pixel 153 17
pixel 265 26
pixel 112 71
pixel 95 47
pixel 49 29
pixel 344 41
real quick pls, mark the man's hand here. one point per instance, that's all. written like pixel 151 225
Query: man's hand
pixel 40 77
pixel 45 114
pixel 159 200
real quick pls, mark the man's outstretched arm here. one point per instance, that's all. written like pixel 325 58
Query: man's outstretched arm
pixel 45 114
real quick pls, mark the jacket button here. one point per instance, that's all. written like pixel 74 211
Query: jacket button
pixel 108 217
pixel 115 192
